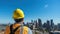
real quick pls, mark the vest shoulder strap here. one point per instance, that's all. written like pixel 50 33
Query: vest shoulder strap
pixel 12 31
pixel 11 27
pixel 16 29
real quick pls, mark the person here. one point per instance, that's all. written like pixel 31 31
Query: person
pixel 17 27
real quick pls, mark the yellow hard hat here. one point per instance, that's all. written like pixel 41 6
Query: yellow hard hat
pixel 18 13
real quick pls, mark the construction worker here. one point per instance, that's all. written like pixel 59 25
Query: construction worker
pixel 17 27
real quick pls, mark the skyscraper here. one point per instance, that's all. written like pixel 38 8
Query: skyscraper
pixel 39 24
pixel 36 24
pixel 48 25
pixel 52 24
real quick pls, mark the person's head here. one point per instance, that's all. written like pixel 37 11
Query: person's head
pixel 18 16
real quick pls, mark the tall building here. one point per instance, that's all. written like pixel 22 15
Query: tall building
pixel 39 24
pixel 58 26
pixel 52 24
pixel 48 25
pixel 36 24
pixel 32 21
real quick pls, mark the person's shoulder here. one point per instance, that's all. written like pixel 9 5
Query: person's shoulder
pixel 25 28
pixel 29 31
pixel 8 26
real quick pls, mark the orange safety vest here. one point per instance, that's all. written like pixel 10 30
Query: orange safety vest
pixel 25 29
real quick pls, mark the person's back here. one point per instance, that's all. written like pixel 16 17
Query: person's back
pixel 18 30
pixel 17 27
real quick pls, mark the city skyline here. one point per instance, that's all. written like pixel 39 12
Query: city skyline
pixel 33 9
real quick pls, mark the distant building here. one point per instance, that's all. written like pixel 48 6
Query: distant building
pixel 40 23
pixel 36 26
pixel 52 24
pixel 35 23
pixel 48 25
pixel 30 25
pixel 32 21
pixel 55 27
pixel 44 25
pixel 58 26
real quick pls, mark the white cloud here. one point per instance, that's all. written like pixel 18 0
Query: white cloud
pixel 46 6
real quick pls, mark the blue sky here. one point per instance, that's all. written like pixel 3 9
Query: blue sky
pixel 33 9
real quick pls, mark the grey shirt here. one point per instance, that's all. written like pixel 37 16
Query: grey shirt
pixel 29 31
